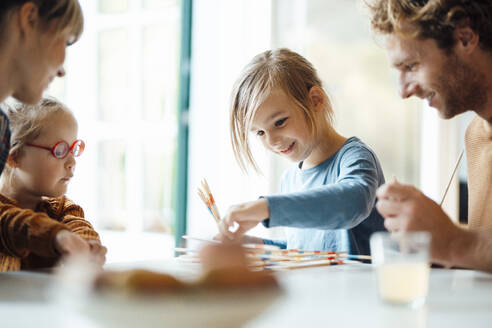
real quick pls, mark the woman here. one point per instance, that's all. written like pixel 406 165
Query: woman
pixel 33 38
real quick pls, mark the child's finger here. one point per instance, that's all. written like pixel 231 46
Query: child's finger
pixel 97 247
pixel 101 250
pixel 228 220
pixel 68 243
pixel 98 252
pixel 220 237
pixel 98 259
pixel 224 229
pixel 239 233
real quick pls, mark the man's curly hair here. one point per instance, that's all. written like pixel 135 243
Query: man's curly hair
pixel 435 19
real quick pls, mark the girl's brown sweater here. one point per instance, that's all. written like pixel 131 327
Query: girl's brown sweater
pixel 27 237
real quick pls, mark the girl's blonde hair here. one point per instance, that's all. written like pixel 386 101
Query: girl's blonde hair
pixel 280 68
pixel 61 15
pixel 27 123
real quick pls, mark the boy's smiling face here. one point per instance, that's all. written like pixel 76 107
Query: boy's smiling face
pixel 38 172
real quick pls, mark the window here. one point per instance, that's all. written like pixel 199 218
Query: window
pixel 225 39
pixel 412 143
pixel 122 84
pixel 335 36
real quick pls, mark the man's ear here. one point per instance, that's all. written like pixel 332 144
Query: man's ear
pixel 28 18
pixel 317 97
pixel 467 39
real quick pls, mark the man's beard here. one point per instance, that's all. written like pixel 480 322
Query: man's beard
pixel 462 88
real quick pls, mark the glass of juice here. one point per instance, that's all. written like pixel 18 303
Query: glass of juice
pixel 402 267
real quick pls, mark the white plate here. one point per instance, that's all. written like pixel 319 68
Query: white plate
pixel 185 309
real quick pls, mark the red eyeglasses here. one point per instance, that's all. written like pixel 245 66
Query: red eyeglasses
pixel 61 148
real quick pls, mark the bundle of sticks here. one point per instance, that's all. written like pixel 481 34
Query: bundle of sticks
pixel 270 257
pixel 207 197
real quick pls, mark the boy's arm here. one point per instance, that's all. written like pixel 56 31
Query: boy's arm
pixel 23 231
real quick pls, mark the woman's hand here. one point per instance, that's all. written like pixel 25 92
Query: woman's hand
pixel 246 215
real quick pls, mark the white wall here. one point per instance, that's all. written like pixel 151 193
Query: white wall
pixel 227 34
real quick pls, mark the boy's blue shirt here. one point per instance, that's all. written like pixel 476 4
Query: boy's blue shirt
pixel 330 206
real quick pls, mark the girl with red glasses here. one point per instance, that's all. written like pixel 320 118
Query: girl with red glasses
pixel 38 223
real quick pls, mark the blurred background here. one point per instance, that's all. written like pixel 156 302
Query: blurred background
pixel 150 81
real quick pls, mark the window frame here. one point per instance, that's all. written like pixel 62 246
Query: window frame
pixel 183 121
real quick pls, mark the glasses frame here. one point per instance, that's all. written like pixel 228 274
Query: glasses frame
pixel 70 150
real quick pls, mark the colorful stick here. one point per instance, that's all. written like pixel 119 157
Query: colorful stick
pixel 201 239
pixel 207 198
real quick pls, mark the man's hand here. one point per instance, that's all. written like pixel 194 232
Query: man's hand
pixel 405 208
pixel 246 215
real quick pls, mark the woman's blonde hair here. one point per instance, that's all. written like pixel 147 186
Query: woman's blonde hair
pixel 61 15
pixel 27 123
pixel 280 68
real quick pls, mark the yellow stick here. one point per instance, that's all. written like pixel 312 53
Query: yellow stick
pixel 210 203
pixel 452 176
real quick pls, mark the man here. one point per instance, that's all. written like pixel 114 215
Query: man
pixel 443 52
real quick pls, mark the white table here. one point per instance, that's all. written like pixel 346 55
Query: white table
pixel 346 296
pixel 336 296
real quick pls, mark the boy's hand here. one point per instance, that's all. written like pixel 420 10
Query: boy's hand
pixel 246 215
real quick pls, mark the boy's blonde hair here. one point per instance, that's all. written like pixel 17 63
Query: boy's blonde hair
pixel 61 15
pixel 280 68
pixel 27 123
